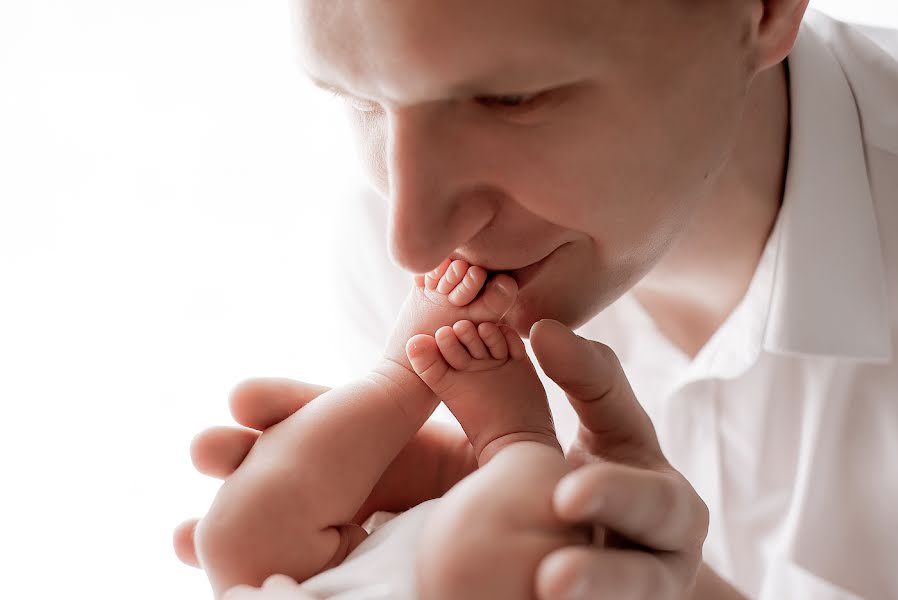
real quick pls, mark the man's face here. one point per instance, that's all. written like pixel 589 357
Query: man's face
pixel 567 143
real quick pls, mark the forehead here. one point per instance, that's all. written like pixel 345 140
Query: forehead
pixel 414 50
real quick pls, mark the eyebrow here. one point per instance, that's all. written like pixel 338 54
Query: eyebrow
pixel 484 84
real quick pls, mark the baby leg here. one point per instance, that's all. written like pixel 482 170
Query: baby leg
pixel 288 507
pixel 491 531
pixel 483 375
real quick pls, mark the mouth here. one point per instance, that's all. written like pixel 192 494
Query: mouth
pixel 524 275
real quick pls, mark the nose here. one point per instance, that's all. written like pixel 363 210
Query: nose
pixel 436 202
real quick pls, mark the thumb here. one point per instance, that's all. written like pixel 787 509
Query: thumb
pixel 613 425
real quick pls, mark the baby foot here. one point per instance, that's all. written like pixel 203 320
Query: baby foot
pixel 483 375
pixel 452 292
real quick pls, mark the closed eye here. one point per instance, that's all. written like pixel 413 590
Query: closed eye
pixel 358 104
pixel 522 107
pixel 508 100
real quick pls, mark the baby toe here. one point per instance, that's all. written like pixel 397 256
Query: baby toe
pixel 468 335
pixel 455 354
pixel 427 361
pixel 453 276
pixel 470 285
pixel 432 279
pixel 516 347
pixel 494 339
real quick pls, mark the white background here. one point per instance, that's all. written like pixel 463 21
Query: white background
pixel 167 182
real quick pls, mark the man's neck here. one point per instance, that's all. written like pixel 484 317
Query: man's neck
pixel 699 282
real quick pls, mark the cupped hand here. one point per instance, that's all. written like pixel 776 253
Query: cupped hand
pixel 649 522
pixel 434 460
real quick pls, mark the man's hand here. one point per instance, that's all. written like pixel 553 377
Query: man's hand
pixel 649 523
pixel 434 460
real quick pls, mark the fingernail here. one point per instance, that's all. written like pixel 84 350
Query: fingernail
pixel 559 325
pixel 504 287
pixel 578 590
pixel 572 503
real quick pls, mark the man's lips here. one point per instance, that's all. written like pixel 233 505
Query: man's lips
pixel 525 275
pixel 522 275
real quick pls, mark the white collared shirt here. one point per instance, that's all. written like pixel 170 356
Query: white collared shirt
pixel 786 422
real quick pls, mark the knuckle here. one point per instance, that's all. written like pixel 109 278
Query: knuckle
pixel 702 517
pixel 607 354
pixel 640 575
pixel 670 506
pixel 696 516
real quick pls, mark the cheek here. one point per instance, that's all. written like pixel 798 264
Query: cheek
pixel 369 132
pixel 626 169
pixel 603 190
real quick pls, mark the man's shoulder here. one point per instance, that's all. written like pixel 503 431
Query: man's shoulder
pixel 868 56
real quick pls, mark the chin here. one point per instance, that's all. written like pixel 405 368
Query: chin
pixel 572 305
pixel 531 308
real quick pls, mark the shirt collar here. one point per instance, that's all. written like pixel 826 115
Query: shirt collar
pixel 829 293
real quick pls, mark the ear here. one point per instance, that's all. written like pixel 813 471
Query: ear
pixel 777 23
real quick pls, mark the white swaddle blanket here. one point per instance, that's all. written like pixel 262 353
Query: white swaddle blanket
pixel 383 566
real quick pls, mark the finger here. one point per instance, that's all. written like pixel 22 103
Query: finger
pixel 419 280
pixel 182 539
pixel 578 572
pixel 432 278
pixel 454 353
pixel 658 509
pixel 218 451
pixel 261 403
pixel 494 339
pixel 613 424
pixel 498 296
pixel 465 292
pixel 467 334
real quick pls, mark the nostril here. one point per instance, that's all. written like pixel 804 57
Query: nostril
pixel 425 229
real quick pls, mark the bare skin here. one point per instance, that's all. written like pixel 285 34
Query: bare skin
pixel 591 140
pixel 281 514
pixel 489 533
pixel 583 148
